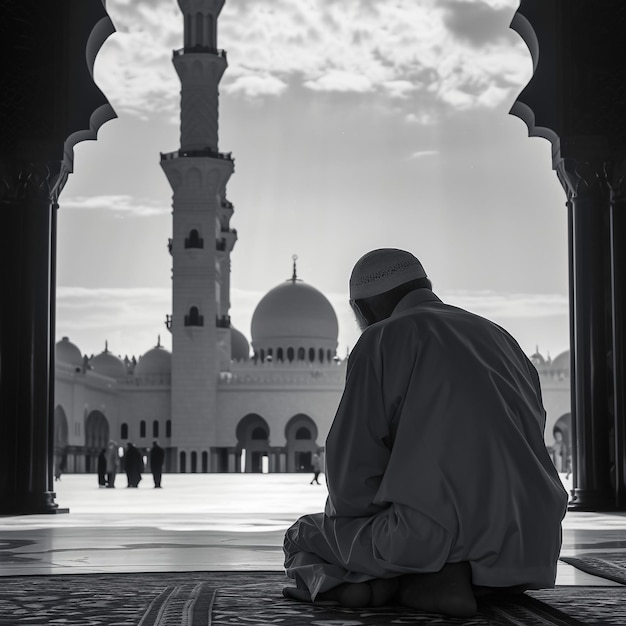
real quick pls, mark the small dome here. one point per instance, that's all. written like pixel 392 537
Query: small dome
pixel 107 364
pixel 155 362
pixel 537 359
pixel 68 353
pixel 294 311
pixel 562 362
pixel 239 346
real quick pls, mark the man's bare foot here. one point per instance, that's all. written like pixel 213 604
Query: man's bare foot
pixel 383 591
pixel 350 595
pixel 376 592
pixel 448 591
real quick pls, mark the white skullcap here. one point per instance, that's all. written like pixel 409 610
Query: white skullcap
pixel 380 270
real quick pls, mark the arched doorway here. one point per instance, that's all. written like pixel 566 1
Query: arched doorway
pixel 253 435
pixel 61 461
pixel 561 449
pixel 97 436
pixel 301 436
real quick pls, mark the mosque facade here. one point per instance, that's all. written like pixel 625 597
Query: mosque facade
pixel 216 402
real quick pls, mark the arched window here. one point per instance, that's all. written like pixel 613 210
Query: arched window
pixel 183 462
pixel 259 433
pixel 142 428
pixel 321 355
pixel 194 240
pixel 168 428
pixel 155 428
pixel 329 355
pixel 194 318
pixel 194 462
pixel 124 431
pixel 311 354
pixel 205 462
pixel 301 354
pixel 303 433
pixel 262 356
pixel 279 354
pixel 290 354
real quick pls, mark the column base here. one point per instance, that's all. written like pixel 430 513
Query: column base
pixel 30 504
pixel 593 501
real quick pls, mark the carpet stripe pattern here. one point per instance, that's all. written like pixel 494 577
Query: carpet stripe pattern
pixel 254 599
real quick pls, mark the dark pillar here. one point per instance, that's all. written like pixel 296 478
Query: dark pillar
pixel 49 103
pixel 589 239
pixel 25 340
pixel 616 174
pixel 575 100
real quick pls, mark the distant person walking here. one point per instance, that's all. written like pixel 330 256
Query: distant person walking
pixel 60 465
pixel 133 465
pixel 157 456
pixel 102 468
pixel 316 462
pixel 112 464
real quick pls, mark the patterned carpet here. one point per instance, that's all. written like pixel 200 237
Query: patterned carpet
pixel 609 565
pixel 254 599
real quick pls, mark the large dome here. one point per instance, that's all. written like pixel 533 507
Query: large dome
pixel 107 364
pixel 68 353
pixel 295 316
pixel 155 362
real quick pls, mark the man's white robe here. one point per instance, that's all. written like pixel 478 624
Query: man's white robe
pixel 436 455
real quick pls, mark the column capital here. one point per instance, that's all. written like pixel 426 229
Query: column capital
pixel 581 178
pixel 22 181
pixel 615 174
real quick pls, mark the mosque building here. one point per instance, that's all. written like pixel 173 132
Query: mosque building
pixel 214 404
pixel 217 403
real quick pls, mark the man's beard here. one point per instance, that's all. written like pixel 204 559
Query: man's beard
pixel 361 322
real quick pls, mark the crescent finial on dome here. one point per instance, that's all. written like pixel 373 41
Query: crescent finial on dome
pixel 294 276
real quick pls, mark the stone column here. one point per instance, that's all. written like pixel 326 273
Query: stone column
pixel 589 251
pixel 615 175
pixel 28 213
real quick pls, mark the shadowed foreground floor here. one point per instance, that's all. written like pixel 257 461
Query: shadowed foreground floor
pixel 210 540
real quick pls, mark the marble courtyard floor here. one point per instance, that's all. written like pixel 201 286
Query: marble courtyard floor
pixel 207 522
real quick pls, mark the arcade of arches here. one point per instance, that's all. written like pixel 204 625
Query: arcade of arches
pixel 253 452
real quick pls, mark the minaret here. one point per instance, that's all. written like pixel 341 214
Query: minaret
pixel 201 242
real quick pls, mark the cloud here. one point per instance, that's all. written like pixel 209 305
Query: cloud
pixel 339 80
pixel 450 53
pixel 509 305
pixel 121 204
pixel 477 23
pixel 423 153
pixel 131 319
pixel 256 85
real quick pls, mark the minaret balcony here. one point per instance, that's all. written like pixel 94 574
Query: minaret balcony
pixel 222 321
pixel 200 50
pixel 204 152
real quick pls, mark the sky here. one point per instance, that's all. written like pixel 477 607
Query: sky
pixel 354 125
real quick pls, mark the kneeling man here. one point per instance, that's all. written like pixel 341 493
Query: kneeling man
pixel 440 485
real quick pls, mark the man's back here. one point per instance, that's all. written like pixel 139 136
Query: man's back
pixel 438 475
pixel 448 411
